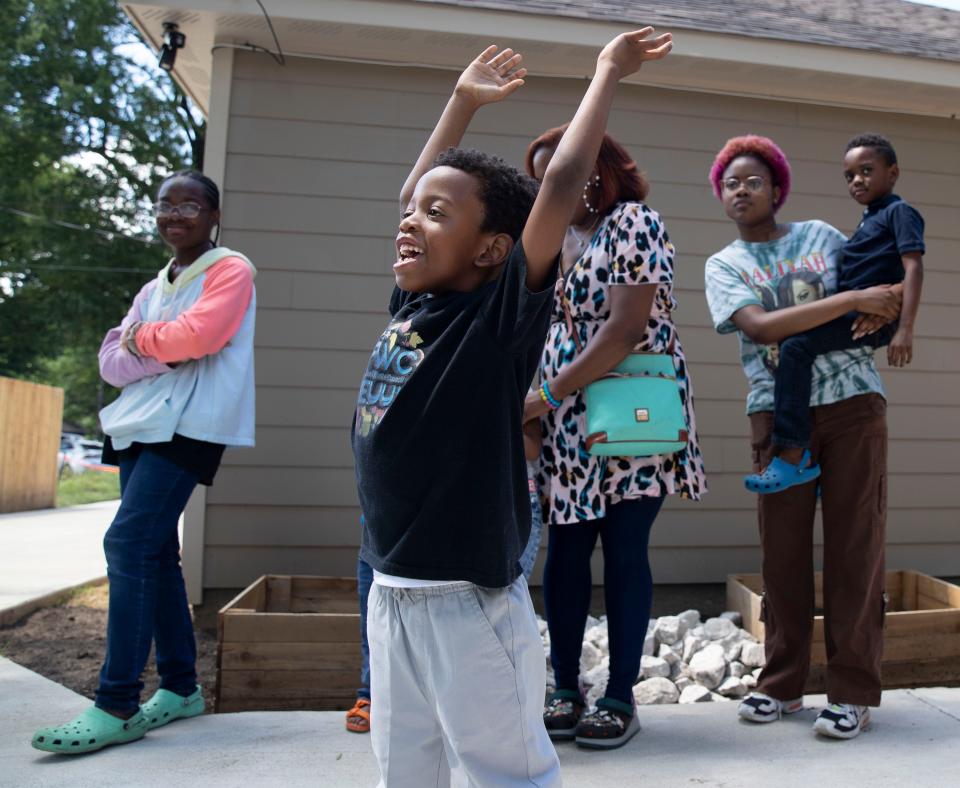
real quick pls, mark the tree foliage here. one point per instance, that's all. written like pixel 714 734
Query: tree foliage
pixel 88 128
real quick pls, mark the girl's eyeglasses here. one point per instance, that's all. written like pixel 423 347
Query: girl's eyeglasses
pixel 185 210
pixel 754 183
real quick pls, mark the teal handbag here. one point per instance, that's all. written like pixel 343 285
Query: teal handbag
pixel 635 409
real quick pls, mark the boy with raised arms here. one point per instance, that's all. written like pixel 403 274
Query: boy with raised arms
pixel 457 664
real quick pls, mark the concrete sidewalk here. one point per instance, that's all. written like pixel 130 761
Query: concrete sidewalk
pixel 44 552
pixel 912 743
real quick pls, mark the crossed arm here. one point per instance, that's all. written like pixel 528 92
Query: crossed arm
pixel 118 366
pixel 138 349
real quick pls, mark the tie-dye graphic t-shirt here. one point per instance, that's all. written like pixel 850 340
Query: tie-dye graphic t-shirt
pixel 793 270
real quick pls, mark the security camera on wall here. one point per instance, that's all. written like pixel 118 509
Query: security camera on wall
pixel 173 40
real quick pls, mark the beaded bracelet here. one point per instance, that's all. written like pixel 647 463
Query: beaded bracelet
pixel 552 402
pixel 543 398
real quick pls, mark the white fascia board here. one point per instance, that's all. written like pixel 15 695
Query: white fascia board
pixel 566 47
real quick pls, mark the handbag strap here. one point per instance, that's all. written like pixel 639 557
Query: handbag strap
pixel 567 314
pixel 572 330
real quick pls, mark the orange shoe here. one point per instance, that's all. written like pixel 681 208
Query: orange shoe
pixel 358 718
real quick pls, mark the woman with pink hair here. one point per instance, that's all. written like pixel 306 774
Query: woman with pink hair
pixel 774 281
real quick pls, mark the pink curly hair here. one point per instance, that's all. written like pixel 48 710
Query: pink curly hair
pixel 762 148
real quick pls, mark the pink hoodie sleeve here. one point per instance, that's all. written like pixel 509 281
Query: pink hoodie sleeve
pixel 119 367
pixel 207 326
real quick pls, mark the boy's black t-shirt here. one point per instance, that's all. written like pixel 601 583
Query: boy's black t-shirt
pixel 889 228
pixel 437 432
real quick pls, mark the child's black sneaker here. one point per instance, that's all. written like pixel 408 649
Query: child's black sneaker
pixel 842 720
pixel 610 724
pixel 562 713
pixel 758 707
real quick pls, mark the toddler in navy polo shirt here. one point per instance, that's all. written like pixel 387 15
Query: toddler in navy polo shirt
pixel 885 250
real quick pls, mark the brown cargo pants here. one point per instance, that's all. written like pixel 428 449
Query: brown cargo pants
pixel 850 443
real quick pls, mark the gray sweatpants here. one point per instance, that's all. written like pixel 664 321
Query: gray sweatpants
pixel 457 686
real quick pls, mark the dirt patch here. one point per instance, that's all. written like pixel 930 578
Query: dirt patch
pixel 66 644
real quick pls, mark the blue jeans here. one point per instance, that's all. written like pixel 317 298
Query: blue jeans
pixel 148 599
pixel 529 557
pixel 791 410
pixel 627 588
pixel 364 581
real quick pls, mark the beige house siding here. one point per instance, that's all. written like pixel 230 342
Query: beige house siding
pixel 316 154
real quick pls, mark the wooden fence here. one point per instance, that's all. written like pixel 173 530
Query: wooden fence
pixel 30 419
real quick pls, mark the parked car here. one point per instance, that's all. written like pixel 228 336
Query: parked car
pixel 77 452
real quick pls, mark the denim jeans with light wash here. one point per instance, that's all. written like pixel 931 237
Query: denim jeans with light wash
pixel 529 557
pixel 148 599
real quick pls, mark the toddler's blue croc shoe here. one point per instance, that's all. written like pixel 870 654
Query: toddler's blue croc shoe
pixel 91 731
pixel 780 475
pixel 166 706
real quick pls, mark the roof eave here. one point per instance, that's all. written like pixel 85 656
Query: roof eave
pixel 432 35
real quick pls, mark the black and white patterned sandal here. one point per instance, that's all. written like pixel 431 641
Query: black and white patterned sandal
pixel 562 713
pixel 609 725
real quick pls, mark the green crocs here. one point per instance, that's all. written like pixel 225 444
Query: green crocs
pixel 91 731
pixel 166 706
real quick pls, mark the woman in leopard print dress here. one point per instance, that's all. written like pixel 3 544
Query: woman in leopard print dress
pixel 617 278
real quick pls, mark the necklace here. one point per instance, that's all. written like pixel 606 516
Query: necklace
pixel 587 235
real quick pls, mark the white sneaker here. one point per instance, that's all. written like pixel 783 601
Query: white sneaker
pixel 842 720
pixel 758 707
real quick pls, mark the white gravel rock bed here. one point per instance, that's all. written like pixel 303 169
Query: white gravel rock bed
pixel 685 660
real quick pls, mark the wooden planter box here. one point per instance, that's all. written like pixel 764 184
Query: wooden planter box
pixel 922 629
pixel 289 643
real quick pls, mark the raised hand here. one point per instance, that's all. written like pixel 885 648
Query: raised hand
pixel 628 51
pixel 576 154
pixel 492 76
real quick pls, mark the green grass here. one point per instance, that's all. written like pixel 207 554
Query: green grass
pixel 89 487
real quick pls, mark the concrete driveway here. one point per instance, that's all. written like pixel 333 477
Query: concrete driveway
pixel 912 743
pixel 44 552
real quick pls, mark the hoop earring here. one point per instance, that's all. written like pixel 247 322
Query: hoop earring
pixel 216 237
pixel 595 181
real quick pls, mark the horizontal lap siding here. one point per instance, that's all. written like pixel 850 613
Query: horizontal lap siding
pixel 316 155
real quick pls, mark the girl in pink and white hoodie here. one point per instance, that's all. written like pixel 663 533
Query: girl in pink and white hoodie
pixel 183 359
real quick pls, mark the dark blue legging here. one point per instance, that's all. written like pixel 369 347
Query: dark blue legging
pixel 627 586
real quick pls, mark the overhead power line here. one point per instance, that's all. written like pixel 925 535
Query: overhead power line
pixel 96 269
pixel 278 56
pixel 110 235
